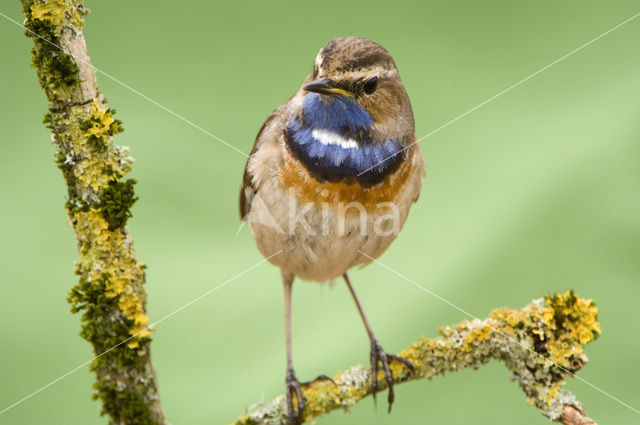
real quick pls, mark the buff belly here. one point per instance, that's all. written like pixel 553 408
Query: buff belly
pixel 318 235
pixel 318 242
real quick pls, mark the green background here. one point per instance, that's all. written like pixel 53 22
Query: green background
pixel 538 191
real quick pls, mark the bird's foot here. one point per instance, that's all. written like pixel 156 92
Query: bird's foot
pixel 294 388
pixel 378 355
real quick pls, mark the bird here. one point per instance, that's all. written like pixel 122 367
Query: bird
pixel 330 180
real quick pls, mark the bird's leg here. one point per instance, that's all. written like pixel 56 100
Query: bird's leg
pixel 378 355
pixel 293 385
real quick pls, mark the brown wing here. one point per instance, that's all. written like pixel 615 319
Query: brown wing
pixel 247 189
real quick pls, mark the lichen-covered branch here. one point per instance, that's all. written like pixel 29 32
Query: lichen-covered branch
pixel 110 290
pixel 540 344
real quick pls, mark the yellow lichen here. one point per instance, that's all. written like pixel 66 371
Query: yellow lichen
pixel 97 167
pixel 506 315
pixel 101 121
pixel 57 12
pixel 552 392
pixel 548 331
pixel 539 320
pixel 109 292
pixel 477 332
pixel 107 258
pixel 90 173
pixel 574 320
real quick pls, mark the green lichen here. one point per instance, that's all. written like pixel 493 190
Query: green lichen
pixel 86 153
pixel 122 396
pixel 57 70
pixel 107 259
pixel 100 126
pixel 111 298
pixel 559 325
pixel 136 411
pixel 109 293
pixel 116 202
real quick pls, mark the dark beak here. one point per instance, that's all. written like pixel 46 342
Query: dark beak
pixel 323 85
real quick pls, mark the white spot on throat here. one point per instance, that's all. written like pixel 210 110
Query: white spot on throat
pixel 330 138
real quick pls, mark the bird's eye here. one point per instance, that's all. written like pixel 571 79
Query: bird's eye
pixel 370 85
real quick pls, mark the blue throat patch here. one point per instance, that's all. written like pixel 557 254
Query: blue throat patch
pixel 331 139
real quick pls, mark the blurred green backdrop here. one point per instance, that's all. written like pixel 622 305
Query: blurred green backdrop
pixel 536 192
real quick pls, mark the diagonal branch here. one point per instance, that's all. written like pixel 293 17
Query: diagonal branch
pixel 110 289
pixel 540 344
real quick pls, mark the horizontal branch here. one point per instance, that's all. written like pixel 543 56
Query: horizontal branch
pixel 540 345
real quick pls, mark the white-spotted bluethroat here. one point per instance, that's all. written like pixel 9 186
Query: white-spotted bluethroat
pixel 331 177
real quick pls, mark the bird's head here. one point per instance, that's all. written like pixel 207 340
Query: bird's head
pixel 352 119
pixel 363 71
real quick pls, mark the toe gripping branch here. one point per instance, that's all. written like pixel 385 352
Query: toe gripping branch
pixel 294 389
pixel 378 355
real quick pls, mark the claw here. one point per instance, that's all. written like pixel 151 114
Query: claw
pixel 378 355
pixel 294 388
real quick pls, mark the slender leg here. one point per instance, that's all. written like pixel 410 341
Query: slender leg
pixel 293 385
pixel 377 353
